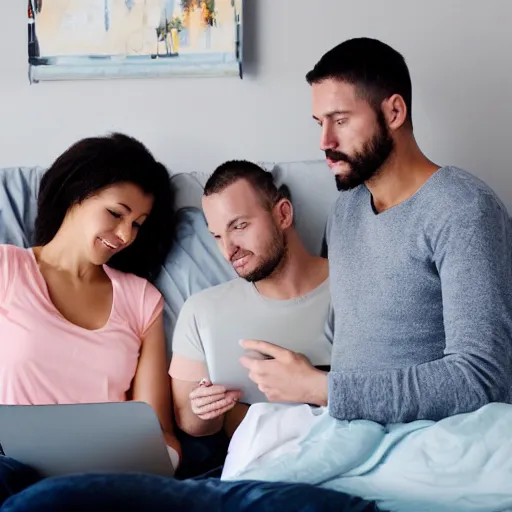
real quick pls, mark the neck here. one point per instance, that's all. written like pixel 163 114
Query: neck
pixel 64 256
pixel 298 274
pixel 406 170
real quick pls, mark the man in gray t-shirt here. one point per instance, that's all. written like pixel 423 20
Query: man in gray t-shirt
pixel 282 296
pixel 420 259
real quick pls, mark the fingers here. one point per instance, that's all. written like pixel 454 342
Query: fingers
pixel 218 412
pixel 258 366
pixel 210 401
pixel 213 409
pixel 215 401
pixel 234 395
pixel 249 363
pixel 203 408
pixel 264 347
pixel 203 401
pixel 259 378
pixel 203 391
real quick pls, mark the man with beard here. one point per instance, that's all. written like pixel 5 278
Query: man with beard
pixel 420 261
pixel 281 295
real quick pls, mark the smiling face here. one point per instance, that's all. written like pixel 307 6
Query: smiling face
pixel 109 221
pixel 354 136
pixel 246 231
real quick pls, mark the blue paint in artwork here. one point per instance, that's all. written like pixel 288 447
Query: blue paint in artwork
pixel 107 16
pixel 181 63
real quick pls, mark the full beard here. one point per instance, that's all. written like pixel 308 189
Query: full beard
pixel 271 264
pixel 365 164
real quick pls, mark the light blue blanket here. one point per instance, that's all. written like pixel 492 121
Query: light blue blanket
pixel 462 463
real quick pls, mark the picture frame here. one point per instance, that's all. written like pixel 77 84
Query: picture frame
pixel 102 39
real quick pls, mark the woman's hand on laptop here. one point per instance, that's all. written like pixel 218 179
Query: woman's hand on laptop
pixel 209 401
pixel 284 375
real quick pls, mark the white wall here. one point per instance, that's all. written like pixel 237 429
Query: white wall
pixel 459 52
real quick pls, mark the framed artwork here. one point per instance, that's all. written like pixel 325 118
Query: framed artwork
pixel 92 39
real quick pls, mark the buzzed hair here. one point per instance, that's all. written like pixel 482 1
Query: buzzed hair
pixel 261 180
pixel 376 70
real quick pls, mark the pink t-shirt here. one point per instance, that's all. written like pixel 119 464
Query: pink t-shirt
pixel 45 359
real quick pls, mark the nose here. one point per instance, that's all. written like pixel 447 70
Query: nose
pixel 124 232
pixel 228 248
pixel 327 139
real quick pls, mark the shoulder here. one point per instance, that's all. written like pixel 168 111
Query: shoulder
pixel 13 252
pixel 218 292
pixel 12 257
pixel 205 308
pixel 12 260
pixel 464 211
pixel 136 298
pixel 132 285
pixel 454 193
pixel 208 300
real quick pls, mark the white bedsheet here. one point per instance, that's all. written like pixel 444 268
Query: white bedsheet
pixel 462 463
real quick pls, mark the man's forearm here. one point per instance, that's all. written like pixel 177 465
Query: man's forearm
pixel 432 391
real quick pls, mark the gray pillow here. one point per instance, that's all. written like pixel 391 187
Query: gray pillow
pixel 19 187
pixel 193 264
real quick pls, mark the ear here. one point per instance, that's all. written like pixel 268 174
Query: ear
pixel 394 110
pixel 283 213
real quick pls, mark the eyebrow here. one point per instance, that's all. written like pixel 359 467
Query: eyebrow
pixel 126 207
pixel 335 113
pixel 130 210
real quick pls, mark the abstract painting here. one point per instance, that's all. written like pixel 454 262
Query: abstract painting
pixel 84 39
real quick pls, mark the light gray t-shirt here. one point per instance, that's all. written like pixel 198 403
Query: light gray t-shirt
pixel 213 321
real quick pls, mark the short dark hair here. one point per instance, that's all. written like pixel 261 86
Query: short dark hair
pixel 92 164
pixel 261 180
pixel 373 67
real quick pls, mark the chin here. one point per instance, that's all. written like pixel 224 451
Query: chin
pixel 98 258
pixel 99 261
pixel 242 274
pixel 248 274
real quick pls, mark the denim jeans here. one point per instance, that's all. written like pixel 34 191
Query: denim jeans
pixel 143 492
pixel 22 492
pixel 201 454
pixel 14 477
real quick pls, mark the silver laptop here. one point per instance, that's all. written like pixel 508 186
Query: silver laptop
pixel 64 439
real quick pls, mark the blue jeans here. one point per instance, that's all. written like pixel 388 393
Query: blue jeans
pixel 201 454
pixel 159 494
pixel 14 477
pixel 100 493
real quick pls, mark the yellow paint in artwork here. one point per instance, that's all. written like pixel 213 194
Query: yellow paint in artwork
pixel 77 27
pixel 175 38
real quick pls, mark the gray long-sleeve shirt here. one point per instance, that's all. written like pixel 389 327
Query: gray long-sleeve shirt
pixel 422 300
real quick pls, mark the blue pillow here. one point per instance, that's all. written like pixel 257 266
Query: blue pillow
pixel 19 187
pixel 193 264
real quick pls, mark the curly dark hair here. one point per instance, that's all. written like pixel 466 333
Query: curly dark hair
pixel 95 163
